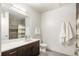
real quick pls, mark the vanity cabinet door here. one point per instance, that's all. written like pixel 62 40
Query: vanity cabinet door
pixel 35 51
pixel 12 52
pixel 20 51
pixel 27 50
pixel 31 49
pixel 35 48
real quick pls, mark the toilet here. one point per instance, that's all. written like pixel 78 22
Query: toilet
pixel 43 47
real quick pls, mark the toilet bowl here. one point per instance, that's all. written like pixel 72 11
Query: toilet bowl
pixel 43 47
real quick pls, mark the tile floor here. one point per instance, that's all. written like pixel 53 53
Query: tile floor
pixel 51 53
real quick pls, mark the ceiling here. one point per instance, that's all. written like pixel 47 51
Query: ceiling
pixel 42 7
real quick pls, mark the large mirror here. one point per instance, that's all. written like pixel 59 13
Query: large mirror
pixel 16 25
pixel 13 23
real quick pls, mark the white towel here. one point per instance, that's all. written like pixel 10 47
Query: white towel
pixel 66 33
pixel 63 33
pixel 69 33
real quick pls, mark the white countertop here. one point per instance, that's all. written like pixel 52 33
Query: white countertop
pixel 15 44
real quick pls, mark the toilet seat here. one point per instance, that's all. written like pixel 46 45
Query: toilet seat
pixel 43 47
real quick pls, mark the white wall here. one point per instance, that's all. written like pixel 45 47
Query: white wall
pixel 0 30
pixel 4 25
pixel 50 27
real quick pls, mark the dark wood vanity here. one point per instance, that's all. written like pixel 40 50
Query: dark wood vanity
pixel 31 49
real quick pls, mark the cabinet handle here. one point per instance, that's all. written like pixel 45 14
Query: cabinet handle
pixel 12 52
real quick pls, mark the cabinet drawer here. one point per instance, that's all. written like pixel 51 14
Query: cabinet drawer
pixel 12 52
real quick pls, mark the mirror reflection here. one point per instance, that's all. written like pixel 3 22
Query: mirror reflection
pixel 16 25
